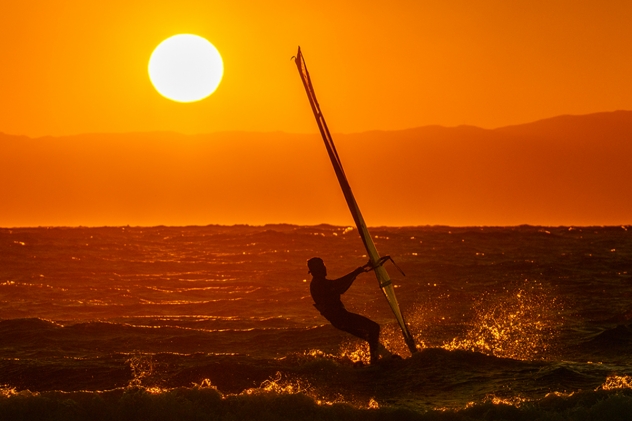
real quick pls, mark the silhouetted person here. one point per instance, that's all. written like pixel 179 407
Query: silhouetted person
pixel 326 294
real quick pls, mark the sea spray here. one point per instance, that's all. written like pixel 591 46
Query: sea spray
pixel 520 323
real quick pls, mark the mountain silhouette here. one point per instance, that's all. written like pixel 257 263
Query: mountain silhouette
pixel 566 170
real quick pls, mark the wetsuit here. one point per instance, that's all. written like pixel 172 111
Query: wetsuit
pixel 326 294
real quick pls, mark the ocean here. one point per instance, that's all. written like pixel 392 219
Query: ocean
pixel 217 323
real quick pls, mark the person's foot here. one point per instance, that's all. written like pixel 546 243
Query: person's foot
pixel 379 352
pixel 383 352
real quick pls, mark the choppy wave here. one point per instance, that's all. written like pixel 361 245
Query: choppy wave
pixel 204 402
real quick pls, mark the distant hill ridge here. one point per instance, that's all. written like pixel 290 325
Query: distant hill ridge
pixel 566 170
pixel 599 124
pixel 619 121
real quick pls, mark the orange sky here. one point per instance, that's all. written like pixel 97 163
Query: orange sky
pixel 74 66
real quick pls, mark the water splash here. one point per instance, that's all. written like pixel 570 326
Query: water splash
pixel 144 373
pixel 616 382
pixel 355 350
pixel 280 385
pixel 393 340
pixel 6 391
pixel 515 401
pixel 518 324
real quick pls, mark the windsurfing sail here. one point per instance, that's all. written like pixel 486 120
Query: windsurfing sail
pixel 376 261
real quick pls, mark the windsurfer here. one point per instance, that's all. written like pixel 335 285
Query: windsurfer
pixel 326 294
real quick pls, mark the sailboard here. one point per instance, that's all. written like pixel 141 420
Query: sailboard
pixel 386 285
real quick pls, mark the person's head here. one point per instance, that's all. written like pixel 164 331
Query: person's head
pixel 317 267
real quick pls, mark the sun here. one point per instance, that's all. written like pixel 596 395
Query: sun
pixel 185 68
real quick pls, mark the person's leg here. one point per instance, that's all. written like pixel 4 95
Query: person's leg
pixel 361 327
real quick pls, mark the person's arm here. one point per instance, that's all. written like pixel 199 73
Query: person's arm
pixel 341 285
